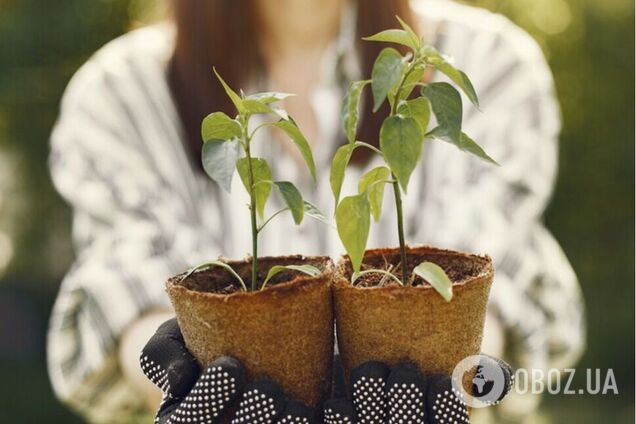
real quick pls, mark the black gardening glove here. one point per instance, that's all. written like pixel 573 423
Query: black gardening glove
pixel 204 397
pixel 380 395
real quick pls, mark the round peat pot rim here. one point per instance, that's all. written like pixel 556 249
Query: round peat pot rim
pixel 276 289
pixel 342 280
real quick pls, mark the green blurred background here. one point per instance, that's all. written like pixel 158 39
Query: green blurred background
pixel 590 47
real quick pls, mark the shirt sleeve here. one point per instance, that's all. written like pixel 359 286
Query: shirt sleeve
pixel 130 231
pixel 477 207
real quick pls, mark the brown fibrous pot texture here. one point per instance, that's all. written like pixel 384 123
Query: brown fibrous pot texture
pixel 393 323
pixel 283 332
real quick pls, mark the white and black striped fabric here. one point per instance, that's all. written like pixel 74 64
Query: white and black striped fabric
pixel 143 210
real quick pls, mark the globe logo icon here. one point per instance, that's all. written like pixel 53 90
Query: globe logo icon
pixel 487 381
pixel 484 380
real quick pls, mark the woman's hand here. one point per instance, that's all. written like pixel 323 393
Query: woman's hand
pixel 205 397
pixel 403 394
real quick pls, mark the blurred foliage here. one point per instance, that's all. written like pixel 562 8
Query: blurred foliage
pixel 590 46
pixel 41 45
pixel 40 48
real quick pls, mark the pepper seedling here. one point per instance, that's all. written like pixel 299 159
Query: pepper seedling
pixel 394 78
pixel 227 146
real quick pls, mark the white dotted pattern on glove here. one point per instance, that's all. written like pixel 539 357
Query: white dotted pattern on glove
pixel 369 401
pixel 406 404
pixel 449 408
pixel 155 373
pixel 290 419
pixel 255 407
pixel 332 417
pixel 208 399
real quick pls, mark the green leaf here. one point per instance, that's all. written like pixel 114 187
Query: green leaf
pixel 236 99
pixel 262 103
pixel 219 126
pixel 293 199
pixel 282 113
pixel 414 38
pixel 465 143
pixel 219 264
pixel 262 181
pixel 268 97
pixel 447 106
pixel 410 81
pixel 254 106
pixel 312 211
pixel 351 109
pixel 353 221
pixel 418 109
pixel 467 87
pixel 401 142
pixel 219 159
pixel 310 270
pixel 458 77
pixel 293 132
pixel 469 145
pixel 397 36
pixel 338 166
pixel 373 184
pixel 436 277
pixel 386 73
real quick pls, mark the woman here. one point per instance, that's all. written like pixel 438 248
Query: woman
pixel 126 155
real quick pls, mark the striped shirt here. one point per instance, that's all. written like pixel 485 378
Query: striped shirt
pixel 143 211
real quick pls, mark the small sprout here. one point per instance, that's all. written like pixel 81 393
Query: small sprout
pixel 310 270
pixel 227 147
pixel 219 264
pixel 436 277
pixel 395 78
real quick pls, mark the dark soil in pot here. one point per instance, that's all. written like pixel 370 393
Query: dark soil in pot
pixel 377 319
pixel 284 332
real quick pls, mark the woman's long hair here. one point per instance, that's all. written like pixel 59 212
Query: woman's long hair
pixel 223 33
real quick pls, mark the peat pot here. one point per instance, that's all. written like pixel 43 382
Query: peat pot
pixel 380 320
pixel 284 332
